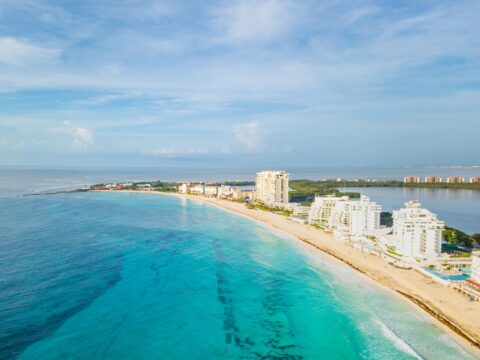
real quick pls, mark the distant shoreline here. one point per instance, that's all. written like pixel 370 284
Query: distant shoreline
pixel 452 311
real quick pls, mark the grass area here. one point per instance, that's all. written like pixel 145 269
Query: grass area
pixel 391 250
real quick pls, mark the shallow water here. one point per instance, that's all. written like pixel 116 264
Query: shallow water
pixel 129 276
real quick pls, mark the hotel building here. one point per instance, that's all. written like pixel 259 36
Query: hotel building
pixel 475 180
pixel 347 218
pixel 411 179
pixel 210 190
pixel 184 188
pixel 198 189
pixel 455 180
pixel 363 216
pixel 433 180
pixel 417 233
pixel 225 191
pixel 325 211
pixel 476 266
pixel 272 187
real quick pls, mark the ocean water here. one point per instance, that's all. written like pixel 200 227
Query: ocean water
pixel 136 276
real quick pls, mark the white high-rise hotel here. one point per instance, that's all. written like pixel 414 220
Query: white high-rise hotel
pixel 354 217
pixel 364 216
pixel 272 187
pixel 417 232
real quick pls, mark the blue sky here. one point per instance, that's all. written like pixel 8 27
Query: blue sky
pixel 233 83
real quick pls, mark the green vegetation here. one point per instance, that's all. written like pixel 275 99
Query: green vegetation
pixel 386 219
pixel 396 183
pixel 391 250
pixel 154 186
pixel 236 183
pixel 164 186
pixel 304 191
pixel 459 238
pixel 262 206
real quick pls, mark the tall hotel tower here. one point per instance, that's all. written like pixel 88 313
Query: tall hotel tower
pixel 272 187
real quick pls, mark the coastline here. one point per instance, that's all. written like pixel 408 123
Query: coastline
pixel 451 311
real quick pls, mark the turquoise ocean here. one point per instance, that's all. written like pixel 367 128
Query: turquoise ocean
pixel 136 276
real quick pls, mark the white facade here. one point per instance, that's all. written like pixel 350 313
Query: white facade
pixel 225 191
pixel 183 188
pixel 476 266
pixel 326 210
pixel 417 232
pixel 346 217
pixel 272 187
pixel 210 190
pixel 363 217
pixel 198 189
pixel 300 211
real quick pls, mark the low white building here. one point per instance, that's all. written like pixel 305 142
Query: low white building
pixel 417 233
pixel 210 190
pixel 225 191
pixel 476 266
pixel 243 195
pixel 184 188
pixel 325 210
pixel 198 189
pixel 301 211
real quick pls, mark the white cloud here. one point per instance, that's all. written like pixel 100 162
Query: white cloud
pixel 172 152
pixel 17 52
pixel 359 13
pixel 82 137
pixel 98 100
pixel 166 46
pixel 248 134
pixel 254 21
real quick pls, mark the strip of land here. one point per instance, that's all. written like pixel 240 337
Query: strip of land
pixel 457 314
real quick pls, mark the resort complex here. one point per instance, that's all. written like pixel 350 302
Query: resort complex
pixel 417 232
pixel 412 239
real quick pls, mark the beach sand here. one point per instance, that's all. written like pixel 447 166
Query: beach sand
pixel 453 311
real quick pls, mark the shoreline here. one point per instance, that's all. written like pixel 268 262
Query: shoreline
pixel 442 304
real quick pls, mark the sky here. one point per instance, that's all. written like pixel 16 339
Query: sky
pixel 239 83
